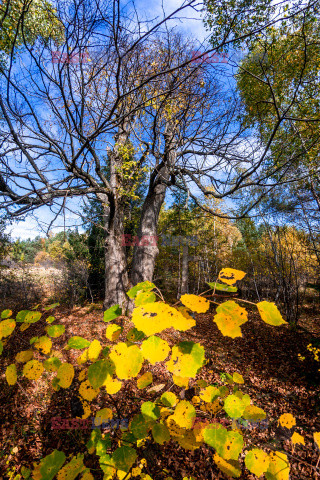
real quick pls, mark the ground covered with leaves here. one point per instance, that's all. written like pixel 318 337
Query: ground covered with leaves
pixel 277 380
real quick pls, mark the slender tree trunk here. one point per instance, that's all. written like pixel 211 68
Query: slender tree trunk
pixel 185 270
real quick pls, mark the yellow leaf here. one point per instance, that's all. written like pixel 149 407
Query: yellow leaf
pixel 154 349
pixel 112 385
pixel 102 416
pixel 180 381
pixel 155 317
pixel 65 375
pixel 7 327
pixel 44 344
pixel 231 467
pixel 287 420
pixel 94 350
pixel 270 314
pixel 144 380
pixel 257 461
pixel 230 275
pixel 11 374
pixel 316 437
pixel 24 356
pixel 186 359
pixel 237 378
pixel 83 358
pixel 279 467
pixel 113 331
pixel 195 303
pixel 72 469
pixel 87 391
pixel 82 375
pixel 184 414
pixel 128 360
pixel 229 317
pixel 33 370
pixel 296 438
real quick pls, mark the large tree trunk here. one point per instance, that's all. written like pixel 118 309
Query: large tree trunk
pixel 116 274
pixel 146 251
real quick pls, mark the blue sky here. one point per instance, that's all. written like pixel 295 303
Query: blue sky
pixel 38 223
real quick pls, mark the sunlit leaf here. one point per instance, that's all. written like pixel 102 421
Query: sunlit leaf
pixel 154 349
pixel 6 327
pixel 169 399
pixel 113 331
pixel 209 394
pixel 50 319
pixel 112 385
pixel 144 380
pixel 184 414
pixel 94 350
pixel 228 444
pixel 237 378
pixel 33 370
pixel 195 303
pixel 44 344
pixel 87 391
pixel 270 314
pixel 24 356
pixel 254 413
pixel 65 373
pixel 112 313
pixel 279 467
pixel 180 381
pixel 186 359
pixel 155 317
pixel 257 461
pixel 230 275
pixel 316 438
pixel 11 374
pixel 78 343
pixel 144 297
pixel 150 410
pixel 287 420
pixel 231 467
pixel 142 286
pixel 6 313
pixel 297 438
pixel 32 317
pixel 55 331
pixel 230 316
pixel 128 360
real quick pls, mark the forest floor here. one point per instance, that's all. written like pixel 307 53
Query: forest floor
pixel 266 356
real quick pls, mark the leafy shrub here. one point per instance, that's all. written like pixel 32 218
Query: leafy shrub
pixel 167 418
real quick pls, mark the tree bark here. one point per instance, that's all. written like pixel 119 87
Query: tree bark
pixel 146 251
pixel 185 270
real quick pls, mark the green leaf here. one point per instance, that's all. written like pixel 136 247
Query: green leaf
pixel 168 399
pixel 51 464
pixel 145 297
pixel 1 347
pixel 78 343
pixel 140 426
pixel 270 314
pixel 6 313
pixel 21 316
pixel 28 316
pixel 150 410
pixel 98 372
pixel 124 458
pixel 221 287
pixel 112 313
pixel 235 406
pixel 144 286
pixel 55 331
pixel 160 433
pixel 227 444
pixel 135 335
pixel 50 319
pixel 50 307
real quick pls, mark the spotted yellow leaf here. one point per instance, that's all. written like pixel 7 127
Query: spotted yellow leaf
pixel 33 370
pixel 87 391
pixel 6 327
pixel 184 414
pixel 257 461
pixel 287 420
pixel 279 467
pixel 44 344
pixel 155 317
pixel 195 303
pixel 186 359
pixel 72 469
pixel 230 316
pixel 230 275
pixel 128 360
